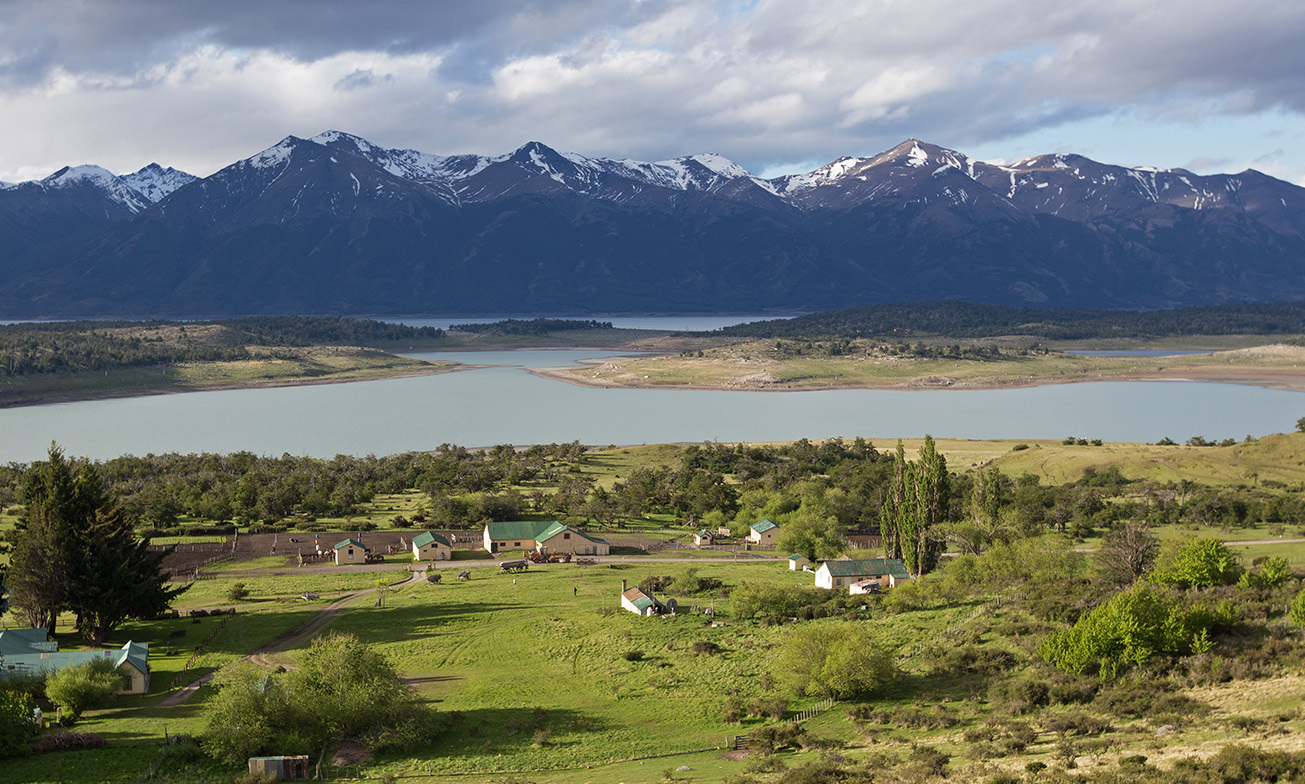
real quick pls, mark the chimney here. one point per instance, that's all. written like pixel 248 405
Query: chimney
pixel 623 588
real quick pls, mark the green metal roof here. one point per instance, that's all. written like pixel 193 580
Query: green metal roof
pixel 347 542
pixel 518 529
pixel 796 556
pixel 137 653
pixel 557 528
pixel 761 526
pixel 872 567
pixel 19 641
pixel 426 537
pixel 639 599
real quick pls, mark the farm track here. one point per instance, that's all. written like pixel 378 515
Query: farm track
pixel 286 641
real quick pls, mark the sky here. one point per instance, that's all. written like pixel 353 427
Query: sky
pixel 778 86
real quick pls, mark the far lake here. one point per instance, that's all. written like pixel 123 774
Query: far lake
pixel 509 405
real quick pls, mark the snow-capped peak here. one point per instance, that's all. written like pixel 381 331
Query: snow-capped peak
pixel 155 182
pixel 71 175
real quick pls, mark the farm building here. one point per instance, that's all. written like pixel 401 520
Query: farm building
pixel 427 546
pixel 704 538
pixel 547 536
pixel 26 651
pixel 763 532
pixel 798 562
pixel 639 603
pixel 350 551
pixel 887 572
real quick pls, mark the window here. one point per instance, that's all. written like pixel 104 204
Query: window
pixel 566 536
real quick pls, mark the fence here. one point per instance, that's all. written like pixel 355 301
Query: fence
pixel 199 650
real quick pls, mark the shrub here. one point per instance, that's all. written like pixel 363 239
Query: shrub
pixel 1296 611
pixel 842 660
pixel 632 656
pixel 704 647
pixel 1273 572
pixel 1131 628
pixel 1201 563
pixel 237 593
pixel 86 686
pixel 16 727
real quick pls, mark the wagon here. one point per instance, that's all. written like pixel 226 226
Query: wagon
pixel 513 566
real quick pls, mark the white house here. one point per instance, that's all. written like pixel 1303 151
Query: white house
pixel 888 572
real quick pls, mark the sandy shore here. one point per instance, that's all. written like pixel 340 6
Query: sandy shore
pixel 1272 378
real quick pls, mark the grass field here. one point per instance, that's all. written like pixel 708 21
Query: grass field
pixel 539 677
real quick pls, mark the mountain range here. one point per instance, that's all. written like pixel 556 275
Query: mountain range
pixel 337 225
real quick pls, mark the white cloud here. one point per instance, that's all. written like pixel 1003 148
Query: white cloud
pixel 777 80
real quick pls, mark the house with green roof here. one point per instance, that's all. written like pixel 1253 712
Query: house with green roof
pixel 41 657
pixel 545 536
pixel 350 551
pixel 798 562
pixel 704 538
pixel 843 573
pixel 763 532
pixel 427 546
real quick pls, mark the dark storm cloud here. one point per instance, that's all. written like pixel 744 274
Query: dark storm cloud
pixel 124 36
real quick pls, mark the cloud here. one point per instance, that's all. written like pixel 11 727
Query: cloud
pixel 200 84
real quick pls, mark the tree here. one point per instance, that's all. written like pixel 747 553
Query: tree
pixel 250 714
pixel 61 498
pixel 1201 563
pixel 116 577
pixel 841 660
pixel 983 522
pixel 915 508
pixel 342 688
pixel 812 534
pixel 86 686
pixel 1127 552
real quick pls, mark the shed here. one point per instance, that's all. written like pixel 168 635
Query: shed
pixel 799 562
pixel 763 532
pixel 350 551
pixel 640 603
pixel 279 768
pixel 427 546
pixel 704 538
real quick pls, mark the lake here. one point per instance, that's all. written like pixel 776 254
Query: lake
pixel 509 405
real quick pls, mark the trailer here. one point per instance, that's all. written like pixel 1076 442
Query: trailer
pixel 507 567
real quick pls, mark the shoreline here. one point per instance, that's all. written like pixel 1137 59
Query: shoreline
pixel 223 386
pixel 1288 380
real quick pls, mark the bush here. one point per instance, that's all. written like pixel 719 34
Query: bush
pixel 16 727
pixel 238 593
pixel 842 660
pixel 704 647
pixel 1201 563
pixel 86 686
pixel 632 656
pixel 1131 628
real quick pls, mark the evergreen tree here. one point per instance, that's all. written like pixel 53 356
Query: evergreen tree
pixel 116 578
pixel 61 498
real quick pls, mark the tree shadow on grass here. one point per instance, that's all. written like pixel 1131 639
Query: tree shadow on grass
pixel 413 622
pixel 494 732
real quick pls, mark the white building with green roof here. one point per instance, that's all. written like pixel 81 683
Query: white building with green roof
pixel 845 573
pixel 350 551
pixel 27 652
pixel 763 532
pixel 546 536
pixel 427 546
